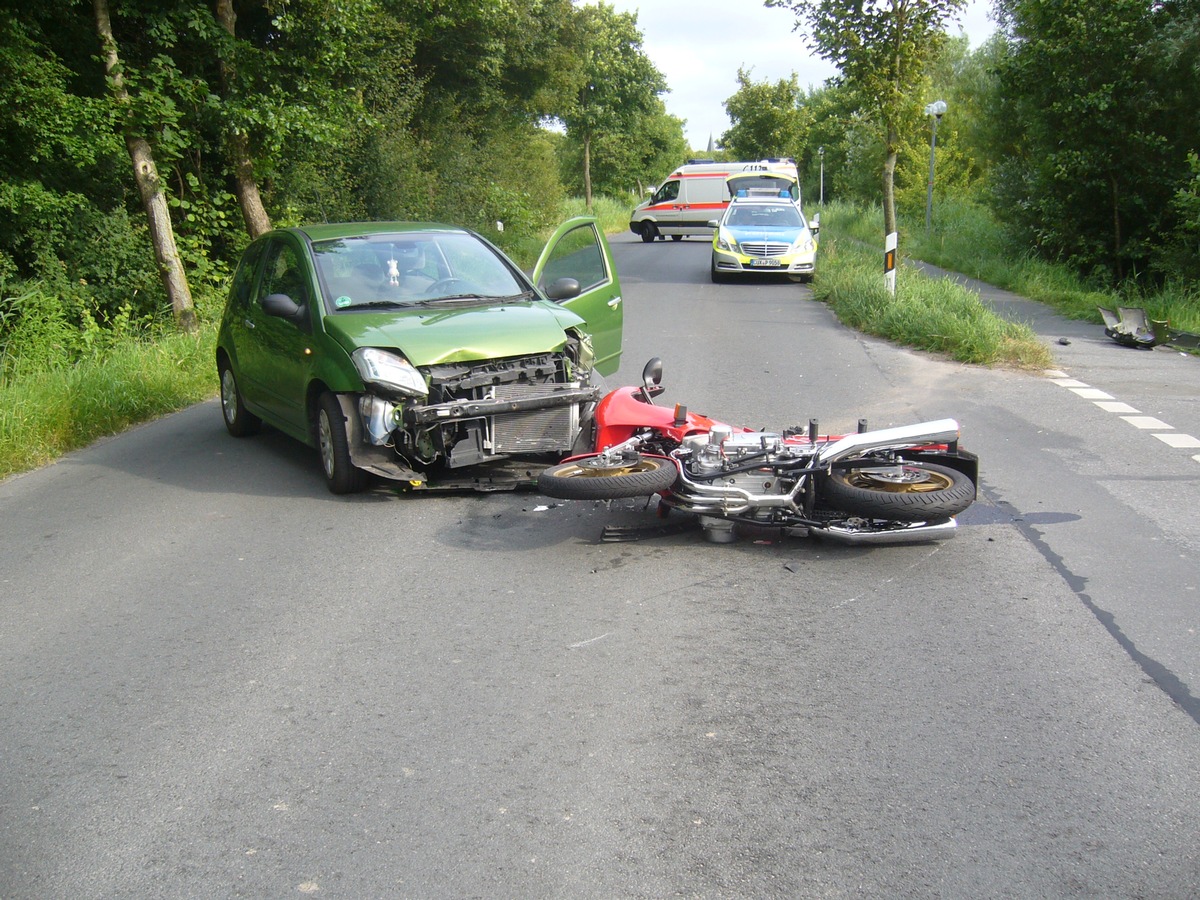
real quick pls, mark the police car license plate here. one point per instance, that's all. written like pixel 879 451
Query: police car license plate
pixel 764 263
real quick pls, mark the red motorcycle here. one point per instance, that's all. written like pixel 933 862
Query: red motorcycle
pixel 896 485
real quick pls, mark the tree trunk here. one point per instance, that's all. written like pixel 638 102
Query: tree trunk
pixel 889 184
pixel 1117 248
pixel 587 171
pixel 154 200
pixel 238 145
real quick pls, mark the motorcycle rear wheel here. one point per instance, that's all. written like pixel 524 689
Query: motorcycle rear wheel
pixel 587 479
pixel 911 492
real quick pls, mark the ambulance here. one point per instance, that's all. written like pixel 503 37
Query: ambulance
pixel 697 193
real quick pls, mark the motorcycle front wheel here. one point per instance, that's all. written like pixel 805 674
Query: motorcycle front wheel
pixel 588 479
pixel 908 492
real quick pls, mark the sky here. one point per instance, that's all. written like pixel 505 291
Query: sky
pixel 699 45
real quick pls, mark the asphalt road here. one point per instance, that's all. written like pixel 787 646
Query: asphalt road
pixel 218 680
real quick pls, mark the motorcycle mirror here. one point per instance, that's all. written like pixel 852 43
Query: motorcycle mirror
pixel 652 373
pixel 652 379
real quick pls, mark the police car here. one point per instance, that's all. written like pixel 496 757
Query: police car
pixel 760 235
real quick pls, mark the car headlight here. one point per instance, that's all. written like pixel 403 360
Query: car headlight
pixel 726 241
pixel 389 370
pixel 804 244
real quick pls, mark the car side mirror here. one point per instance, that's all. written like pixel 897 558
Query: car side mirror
pixel 563 289
pixel 712 223
pixel 281 305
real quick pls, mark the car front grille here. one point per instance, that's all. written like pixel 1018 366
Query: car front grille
pixel 764 248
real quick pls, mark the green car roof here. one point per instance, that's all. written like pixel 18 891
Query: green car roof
pixel 333 231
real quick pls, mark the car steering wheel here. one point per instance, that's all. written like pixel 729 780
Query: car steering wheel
pixel 447 286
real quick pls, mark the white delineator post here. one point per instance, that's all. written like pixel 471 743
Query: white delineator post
pixel 889 262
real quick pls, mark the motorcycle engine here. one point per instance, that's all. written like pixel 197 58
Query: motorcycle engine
pixel 720 456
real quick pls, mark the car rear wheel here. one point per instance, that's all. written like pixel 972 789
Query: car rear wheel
pixel 238 421
pixel 342 476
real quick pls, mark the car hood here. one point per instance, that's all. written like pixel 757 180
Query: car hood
pixel 431 336
pixel 779 235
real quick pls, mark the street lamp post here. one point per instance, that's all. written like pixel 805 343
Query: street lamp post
pixel 936 109
pixel 821 153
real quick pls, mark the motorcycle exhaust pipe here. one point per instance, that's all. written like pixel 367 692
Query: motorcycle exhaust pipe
pixel 908 534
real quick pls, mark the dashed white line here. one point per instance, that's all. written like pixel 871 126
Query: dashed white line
pixel 1172 439
pixel 1160 429
pixel 1146 423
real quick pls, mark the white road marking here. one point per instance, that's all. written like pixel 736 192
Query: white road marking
pixel 1172 439
pixel 1161 430
pixel 1146 422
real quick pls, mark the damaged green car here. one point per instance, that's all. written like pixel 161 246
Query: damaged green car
pixel 420 353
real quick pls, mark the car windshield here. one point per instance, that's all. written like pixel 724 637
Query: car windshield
pixel 777 215
pixel 404 269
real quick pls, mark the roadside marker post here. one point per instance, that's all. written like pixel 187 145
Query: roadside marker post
pixel 889 262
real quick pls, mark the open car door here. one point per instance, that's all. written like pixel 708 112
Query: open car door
pixel 578 250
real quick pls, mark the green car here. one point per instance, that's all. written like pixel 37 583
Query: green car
pixel 419 352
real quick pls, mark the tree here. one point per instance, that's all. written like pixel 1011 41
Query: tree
pixel 768 119
pixel 237 140
pixel 624 162
pixel 882 48
pixel 145 172
pixel 617 83
pixel 1098 133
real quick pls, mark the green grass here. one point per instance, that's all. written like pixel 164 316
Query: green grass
pixel 966 239
pixel 48 414
pixel 933 314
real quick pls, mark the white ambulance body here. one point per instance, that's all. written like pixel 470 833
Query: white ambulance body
pixel 695 194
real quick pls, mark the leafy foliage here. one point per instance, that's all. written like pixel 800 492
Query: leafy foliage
pixel 882 48
pixel 768 119
pixel 1096 170
pixel 616 87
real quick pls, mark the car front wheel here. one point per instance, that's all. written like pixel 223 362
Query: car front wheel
pixel 342 476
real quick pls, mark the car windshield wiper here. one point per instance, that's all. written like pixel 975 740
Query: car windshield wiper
pixel 479 298
pixel 376 304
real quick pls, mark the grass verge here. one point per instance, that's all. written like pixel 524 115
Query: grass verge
pixel 48 414
pixel 966 239
pixel 925 313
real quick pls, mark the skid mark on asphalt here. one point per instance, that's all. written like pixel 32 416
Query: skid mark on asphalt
pixel 1160 429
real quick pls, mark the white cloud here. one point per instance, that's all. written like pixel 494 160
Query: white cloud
pixel 699 46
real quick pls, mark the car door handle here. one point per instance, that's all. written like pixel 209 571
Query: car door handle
pixel 615 302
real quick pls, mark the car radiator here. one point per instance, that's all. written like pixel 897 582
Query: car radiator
pixel 536 430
